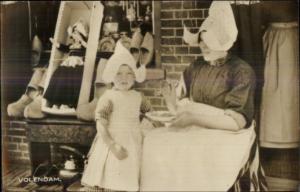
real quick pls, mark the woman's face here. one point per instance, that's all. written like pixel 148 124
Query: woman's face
pixel 208 54
pixel 204 49
pixel 124 78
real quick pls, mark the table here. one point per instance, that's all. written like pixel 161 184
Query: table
pixel 196 159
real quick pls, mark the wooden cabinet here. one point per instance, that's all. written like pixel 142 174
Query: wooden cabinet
pixel 44 136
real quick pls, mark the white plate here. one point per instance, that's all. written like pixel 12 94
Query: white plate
pixel 161 116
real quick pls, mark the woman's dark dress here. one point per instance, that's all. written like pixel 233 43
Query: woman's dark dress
pixel 228 85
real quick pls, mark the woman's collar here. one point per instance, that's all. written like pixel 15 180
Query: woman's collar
pixel 220 62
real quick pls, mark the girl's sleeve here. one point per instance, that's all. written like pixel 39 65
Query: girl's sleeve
pixel 104 109
pixel 145 105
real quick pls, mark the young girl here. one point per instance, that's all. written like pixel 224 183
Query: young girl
pixel 114 158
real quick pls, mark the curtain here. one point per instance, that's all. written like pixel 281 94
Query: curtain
pixel 249 42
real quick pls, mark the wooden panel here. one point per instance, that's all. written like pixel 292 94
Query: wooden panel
pixel 61 133
pixel 55 121
pixel 91 51
pixel 157 26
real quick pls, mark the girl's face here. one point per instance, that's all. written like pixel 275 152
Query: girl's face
pixel 124 78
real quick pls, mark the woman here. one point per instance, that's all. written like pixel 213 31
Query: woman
pixel 216 91
pixel 219 80
pixel 280 97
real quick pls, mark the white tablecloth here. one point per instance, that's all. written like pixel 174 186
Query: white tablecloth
pixel 194 160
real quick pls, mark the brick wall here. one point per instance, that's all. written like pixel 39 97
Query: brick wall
pixel 15 144
pixel 175 56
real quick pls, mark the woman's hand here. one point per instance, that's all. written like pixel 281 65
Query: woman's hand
pixel 169 94
pixel 182 120
pixel 118 151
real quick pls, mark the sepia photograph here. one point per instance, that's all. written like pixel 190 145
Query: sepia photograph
pixel 150 95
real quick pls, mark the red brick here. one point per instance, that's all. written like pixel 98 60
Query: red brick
pixel 168 67
pixel 181 14
pixel 5 123
pixel 195 50
pixel 20 160
pixel 170 59
pixel 140 85
pixel 167 32
pixel 180 68
pixel 190 23
pixel 179 32
pixel 16 132
pixel 9 138
pixel 17 124
pixel 160 108
pixel 155 101
pixel 153 84
pixel 189 4
pixel 188 59
pixel 14 154
pixel 148 92
pixel 167 50
pixel 25 155
pixel 167 14
pixel 196 14
pixel 171 23
pixel 171 5
pixel 199 57
pixel 17 139
pixel 12 146
pixel 199 22
pixel 205 13
pixel 203 4
pixel 194 30
pixel 171 41
pixel 173 75
pixel 23 147
pixel 181 50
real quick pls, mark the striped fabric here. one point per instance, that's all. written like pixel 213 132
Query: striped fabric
pixel 251 176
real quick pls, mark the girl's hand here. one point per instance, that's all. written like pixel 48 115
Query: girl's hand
pixel 119 151
pixel 183 119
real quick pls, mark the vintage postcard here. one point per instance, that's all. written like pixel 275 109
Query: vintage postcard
pixel 146 95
